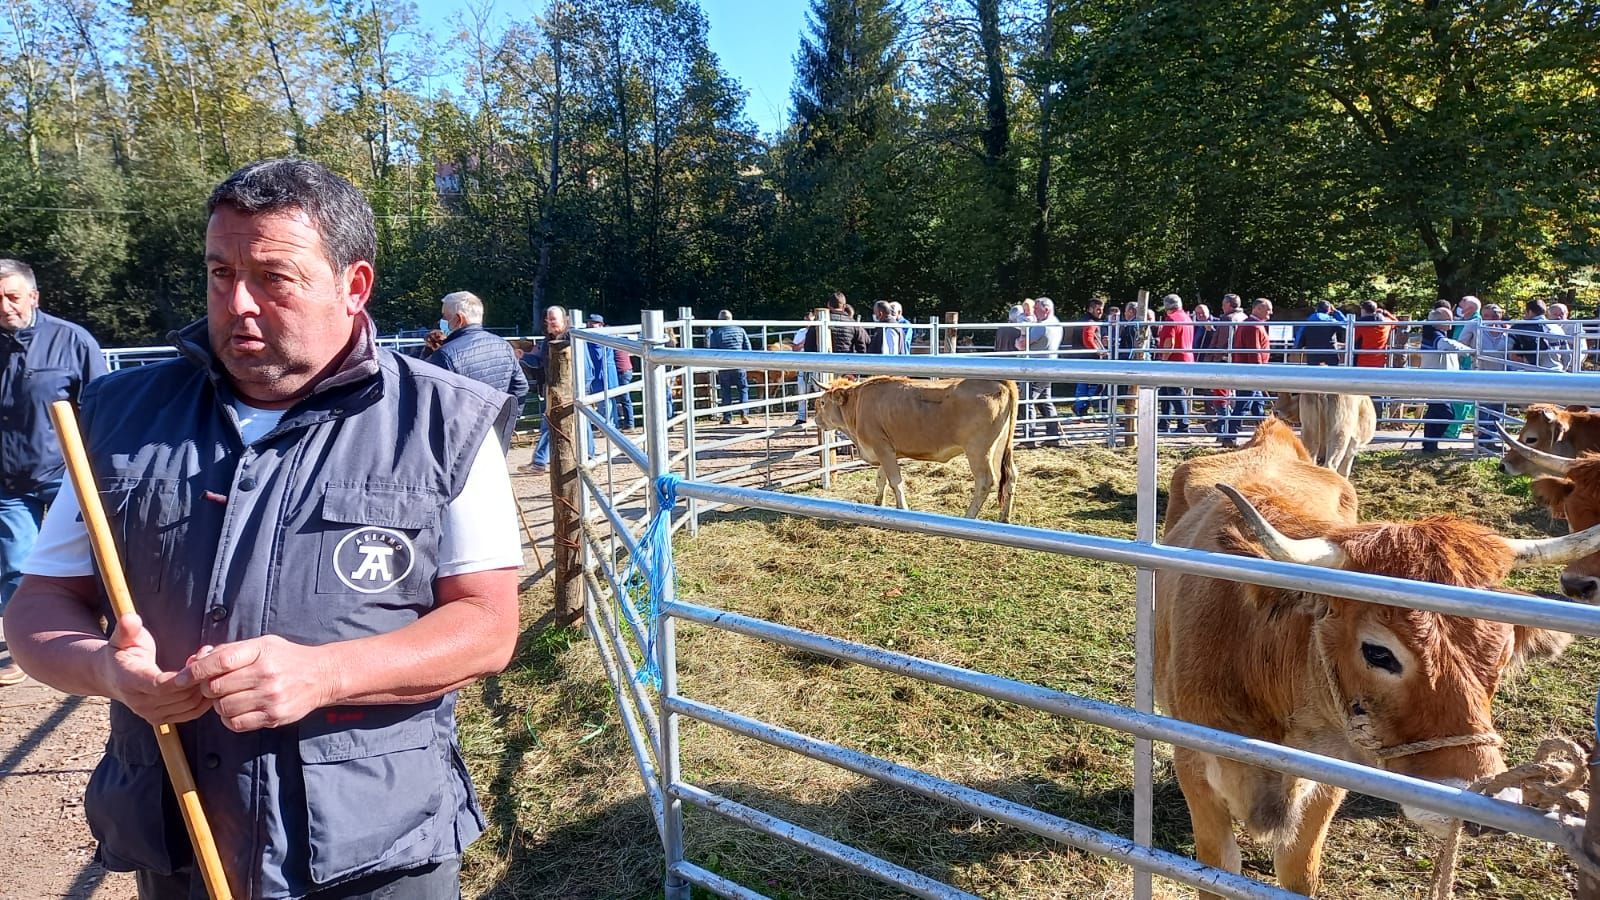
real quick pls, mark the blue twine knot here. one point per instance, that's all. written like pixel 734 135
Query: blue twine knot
pixel 648 575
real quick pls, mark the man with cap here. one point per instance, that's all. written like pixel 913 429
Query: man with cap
pixel 624 403
pixel 42 359
pixel 471 351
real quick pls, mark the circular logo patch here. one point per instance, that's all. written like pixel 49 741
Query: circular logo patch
pixel 372 560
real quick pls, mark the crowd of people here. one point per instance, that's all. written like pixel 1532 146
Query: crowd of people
pixel 1366 335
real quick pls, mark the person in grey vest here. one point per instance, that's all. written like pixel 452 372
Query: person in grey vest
pixel 321 539
pixel 478 354
pixel 42 359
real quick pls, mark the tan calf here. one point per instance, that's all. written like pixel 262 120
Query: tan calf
pixel 892 418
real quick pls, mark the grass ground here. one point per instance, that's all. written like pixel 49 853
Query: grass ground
pixel 567 815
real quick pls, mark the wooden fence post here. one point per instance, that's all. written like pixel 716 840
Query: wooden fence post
pixel 951 336
pixel 561 397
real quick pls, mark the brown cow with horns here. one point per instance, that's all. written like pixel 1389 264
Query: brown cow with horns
pixel 1403 689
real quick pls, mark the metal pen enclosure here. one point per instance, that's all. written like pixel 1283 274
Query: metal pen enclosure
pixel 651 717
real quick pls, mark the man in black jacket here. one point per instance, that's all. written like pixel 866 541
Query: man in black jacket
pixel 844 335
pixel 478 354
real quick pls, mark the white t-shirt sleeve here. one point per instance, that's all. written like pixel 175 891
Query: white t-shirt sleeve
pixel 479 531
pixel 62 549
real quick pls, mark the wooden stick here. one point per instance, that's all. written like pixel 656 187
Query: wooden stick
pixel 105 553
pixel 528 530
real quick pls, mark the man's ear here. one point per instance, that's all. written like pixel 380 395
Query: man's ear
pixel 358 279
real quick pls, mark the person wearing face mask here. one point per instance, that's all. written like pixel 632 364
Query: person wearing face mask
pixel 42 359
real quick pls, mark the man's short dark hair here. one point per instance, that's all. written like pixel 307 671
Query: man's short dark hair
pixel 1369 307
pixel 1536 308
pixel 336 208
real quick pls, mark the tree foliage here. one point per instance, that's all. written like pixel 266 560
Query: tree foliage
pixel 949 154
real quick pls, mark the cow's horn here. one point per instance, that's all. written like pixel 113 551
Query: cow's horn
pixel 1548 463
pixel 1555 551
pixel 1281 547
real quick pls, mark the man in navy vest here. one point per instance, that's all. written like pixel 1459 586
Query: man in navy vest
pixel 321 540
pixel 479 354
pixel 42 359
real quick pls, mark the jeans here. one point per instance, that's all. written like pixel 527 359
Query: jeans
pixel 1245 403
pixel 541 451
pixel 1039 405
pixel 20 515
pixel 727 381
pixel 1432 431
pixel 624 403
pixel 1086 396
pixel 1174 408
pixel 802 385
pixel 440 881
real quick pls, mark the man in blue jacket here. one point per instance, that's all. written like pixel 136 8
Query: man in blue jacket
pixel 731 382
pixel 42 359
pixel 478 354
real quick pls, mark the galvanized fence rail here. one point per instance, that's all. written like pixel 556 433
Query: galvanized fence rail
pixel 652 716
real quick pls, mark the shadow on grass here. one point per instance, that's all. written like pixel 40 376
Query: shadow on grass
pixel 616 853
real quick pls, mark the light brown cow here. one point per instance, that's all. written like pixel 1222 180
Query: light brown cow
pixel 892 418
pixel 1564 431
pixel 773 377
pixel 1569 489
pixel 1273 448
pixel 1333 427
pixel 1358 681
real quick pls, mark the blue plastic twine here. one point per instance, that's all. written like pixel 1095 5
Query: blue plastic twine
pixel 649 574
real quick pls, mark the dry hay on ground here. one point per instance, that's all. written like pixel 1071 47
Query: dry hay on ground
pixel 567 814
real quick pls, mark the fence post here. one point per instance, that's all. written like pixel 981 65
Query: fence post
pixel 1350 340
pixel 933 335
pixel 653 334
pixel 824 344
pixel 691 466
pixel 952 340
pixel 565 499
pixel 1113 391
pixel 1144 635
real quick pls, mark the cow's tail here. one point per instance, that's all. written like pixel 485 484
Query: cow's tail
pixel 1008 462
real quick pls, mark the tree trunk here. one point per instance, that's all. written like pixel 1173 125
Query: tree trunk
pixel 547 233
pixel 1040 260
pixel 560 395
pixel 268 29
pixel 997 139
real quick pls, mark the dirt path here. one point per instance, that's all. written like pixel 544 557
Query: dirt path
pixel 50 742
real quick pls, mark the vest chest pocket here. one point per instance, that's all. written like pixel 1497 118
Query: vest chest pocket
pixel 378 539
pixel 149 517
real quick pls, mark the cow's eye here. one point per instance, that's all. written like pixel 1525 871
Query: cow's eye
pixel 1379 657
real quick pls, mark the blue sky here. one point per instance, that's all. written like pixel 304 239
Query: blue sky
pixel 756 41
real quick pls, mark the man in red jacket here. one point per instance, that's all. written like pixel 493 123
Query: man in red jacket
pixel 1175 340
pixel 1250 345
